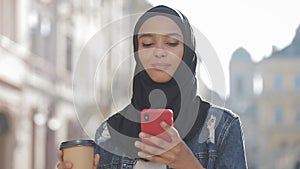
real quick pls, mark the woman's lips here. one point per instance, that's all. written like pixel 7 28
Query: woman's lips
pixel 161 66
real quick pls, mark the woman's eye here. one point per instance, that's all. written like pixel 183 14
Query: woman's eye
pixel 147 44
pixel 173 44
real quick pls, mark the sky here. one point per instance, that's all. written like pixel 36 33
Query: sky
pixel 256 25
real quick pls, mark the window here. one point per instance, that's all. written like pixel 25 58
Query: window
pixel 278 116
pixel 4 123
pixel 239 85
pixel 8 20
pixel 278 82
pixel 1 17
pixel 5 145
pixel 42 36
pixel 34 24
pixel 297 115
pixel 297 81
pixel 69 60
pixel 257 84
pixel 72 131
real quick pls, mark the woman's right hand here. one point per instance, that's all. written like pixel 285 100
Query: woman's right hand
pixel 68 165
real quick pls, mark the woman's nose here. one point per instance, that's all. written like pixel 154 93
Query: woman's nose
pixel 159 51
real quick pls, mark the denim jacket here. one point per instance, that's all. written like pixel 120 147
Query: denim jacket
pixel 219 144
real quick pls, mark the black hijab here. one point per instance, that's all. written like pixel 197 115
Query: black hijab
pixel 178 94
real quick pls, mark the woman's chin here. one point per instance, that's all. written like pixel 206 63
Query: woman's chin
pixel 162 78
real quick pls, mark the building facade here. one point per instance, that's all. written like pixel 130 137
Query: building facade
pixel 40 42
pixel 242 98
pixel 272 124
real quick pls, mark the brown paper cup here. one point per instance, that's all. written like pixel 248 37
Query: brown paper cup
pixel 79 152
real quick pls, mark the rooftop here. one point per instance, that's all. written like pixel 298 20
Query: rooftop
pixel 292 50
pixel 241 54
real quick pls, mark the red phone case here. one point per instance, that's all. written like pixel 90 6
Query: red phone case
pixel 150 122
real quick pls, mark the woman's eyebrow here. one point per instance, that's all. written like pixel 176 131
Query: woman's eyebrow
pixel 146 35
pixel 166 35
pixel 173 34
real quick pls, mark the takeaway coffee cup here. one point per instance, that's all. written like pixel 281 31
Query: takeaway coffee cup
pixel 79 152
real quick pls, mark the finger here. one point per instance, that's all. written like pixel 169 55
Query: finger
pixel 150 149
pixel 61 164
pixel 171 131
pixel 60 155
pixel 68 165
pixel 159 142
pixel 58 166
pixel 144 154
pixel 96 161
pixel 64 165
pixel 165 125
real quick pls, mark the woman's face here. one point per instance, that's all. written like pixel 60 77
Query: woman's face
pixel 160 47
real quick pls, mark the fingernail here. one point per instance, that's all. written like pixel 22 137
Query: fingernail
pixel 163 124
pixel 142 134
pixel 68 165
pixel 136 143
pixel 140 154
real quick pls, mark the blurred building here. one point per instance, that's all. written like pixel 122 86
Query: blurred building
pixel 108 53
pixel 266 95
pixel 35 78
pixel 279 106
pixel 242 98
pixel 40 41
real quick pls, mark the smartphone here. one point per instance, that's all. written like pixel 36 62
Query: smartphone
pixel 150 122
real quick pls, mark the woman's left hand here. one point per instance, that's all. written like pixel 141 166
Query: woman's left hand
pixel 175 154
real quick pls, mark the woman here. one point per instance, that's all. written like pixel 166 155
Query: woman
pixel 203 136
